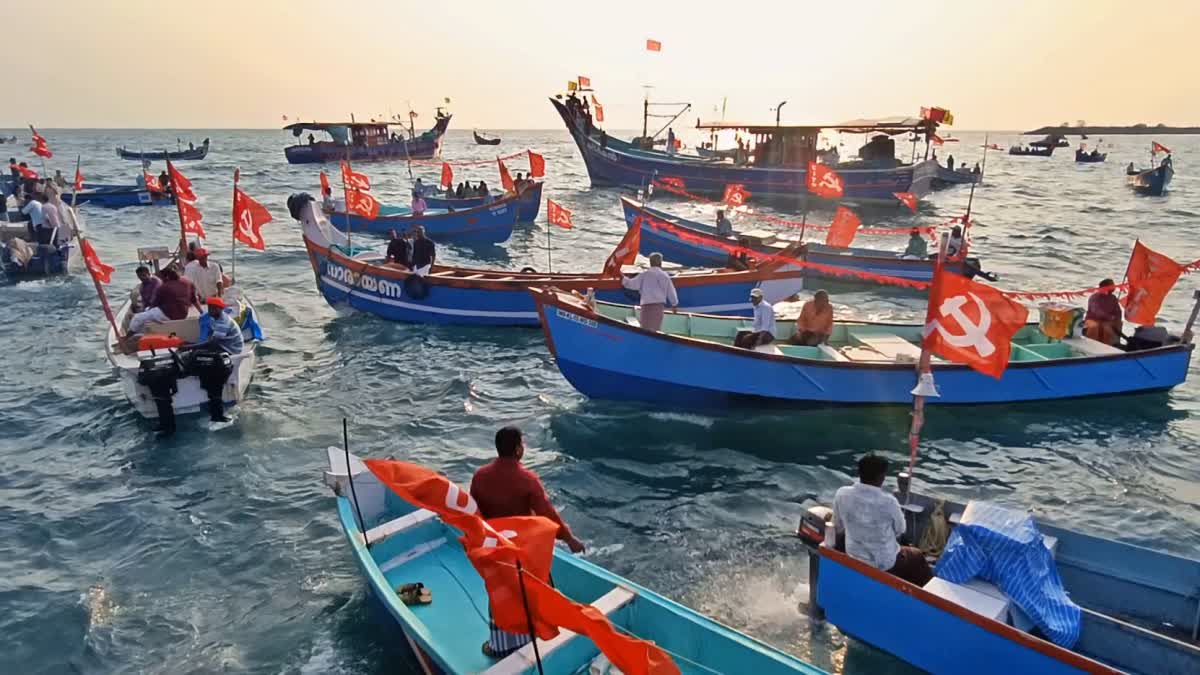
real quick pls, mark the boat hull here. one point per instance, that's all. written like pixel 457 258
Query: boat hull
pixel 426 146
pixel 949 178
pixel 1086 157
pixel 529 203
pixel 46 262
pixel 116 197
pixel 613 163
pixel 489 224
pixel 174 155
pixel 1153 182
pixel 606 359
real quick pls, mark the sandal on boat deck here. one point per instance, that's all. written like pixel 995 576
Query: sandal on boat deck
pixel 415 594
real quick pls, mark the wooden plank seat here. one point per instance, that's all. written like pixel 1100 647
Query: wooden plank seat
pixel 1090 347
pixel 892 347
pixel 408 521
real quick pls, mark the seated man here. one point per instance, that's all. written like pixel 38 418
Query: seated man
pixel 815 323
pixel 762 331
pixel 219 332
pixel 872 522
pixel 724 227
pixel 170 303
pixel 917 246
pixel 146 291
pixel 1102 322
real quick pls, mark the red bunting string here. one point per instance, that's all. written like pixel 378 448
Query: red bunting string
pixel 923 229
pixel 481 162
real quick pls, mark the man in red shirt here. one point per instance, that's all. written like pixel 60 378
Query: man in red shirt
pixel 504 488
pixel 170 302
pixel 1103 319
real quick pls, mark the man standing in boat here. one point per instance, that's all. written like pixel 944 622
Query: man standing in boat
pixel 399 251
pixel 872 522
pixel 206 277
pixel 656 291
pixel 504 488
pixel 423 251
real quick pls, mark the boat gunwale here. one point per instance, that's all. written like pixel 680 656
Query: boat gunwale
pixel 505 201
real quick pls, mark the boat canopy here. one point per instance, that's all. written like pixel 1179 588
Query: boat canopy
pixel 887 125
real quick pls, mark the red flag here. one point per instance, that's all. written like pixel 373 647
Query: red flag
pixel 506 180
pixel 353 179
pixel 598 112
pixel 584 81
pixel 447 176
pixel 924 113
pixel 971 323
pixel 736 194
pixel 844 227
pixel 537 165
pixel 937 140
pixel 324 183
pixel 38 139
pixel 27 172
pixel 824 182
pixel 42 150
pixel 653 45
pixel 248 218
pixel 908 199
pixel 362 203
pixel 100 272
pixel 672 181
pixel 626 251
pixel 78 180
pixel 180 185
pixel 558 215
pixel 1151 276
pixel 190 219
pixel 151 182
pixel 1156 147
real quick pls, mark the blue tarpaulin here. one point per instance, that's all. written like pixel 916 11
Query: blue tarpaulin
pixel 1003 546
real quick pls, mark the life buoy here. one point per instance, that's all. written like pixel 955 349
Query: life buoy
pixel 155 341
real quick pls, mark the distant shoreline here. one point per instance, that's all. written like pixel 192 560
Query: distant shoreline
pixel 1133 130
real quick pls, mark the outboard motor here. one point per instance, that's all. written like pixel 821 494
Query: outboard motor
pixel 212 368
pixel 296 203
pixel 160 374
pixel 814 523
pixel 1148 337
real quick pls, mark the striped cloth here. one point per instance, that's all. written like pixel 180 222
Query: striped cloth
pixel 1003 546
pixel 503 642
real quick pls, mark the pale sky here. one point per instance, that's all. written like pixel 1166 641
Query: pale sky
pixel 223 63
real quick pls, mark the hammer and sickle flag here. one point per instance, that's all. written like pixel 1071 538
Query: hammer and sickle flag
pixel 971 323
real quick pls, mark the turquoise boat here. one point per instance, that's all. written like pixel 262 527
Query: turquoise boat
pixel 410 545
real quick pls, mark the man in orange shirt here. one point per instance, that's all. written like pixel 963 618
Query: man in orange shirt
pixel 815 323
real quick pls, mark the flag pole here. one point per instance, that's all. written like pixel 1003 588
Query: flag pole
pixel 346 198
pixel 924 373
pixel 549 261
pixel 237 174
pixel 178 211
pixel 537 655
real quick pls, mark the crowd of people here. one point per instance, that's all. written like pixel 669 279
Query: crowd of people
pixel 411 252
pixel 39 202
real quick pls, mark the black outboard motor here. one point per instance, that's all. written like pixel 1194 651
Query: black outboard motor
pixel 1149 337
pixel 212 368
pixel 296 202
pixel 160 374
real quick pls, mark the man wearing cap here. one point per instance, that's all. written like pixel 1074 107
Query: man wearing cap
pixel 205 276
pixel 762 332
pixel 656 291
pixel 218 333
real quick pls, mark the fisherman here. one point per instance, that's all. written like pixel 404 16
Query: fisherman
pixel 762 331
pixel 170 302
pixel 418 203
pixel 917 246
pixel 219 334
pixel 419 187
pixel 1131 170
pixel 815 323
pixel 671 141
pixel 37 216
pixel 483 191
pixel 724 227
pixel 423 251
pixel 399 251
pixel 872 522
pixel 191 145
pixel 15 172
pixel 977 170
pixel 657 291
pixel 311 139
pixel 504 488
pixel 29 180
pixel 146 291
pixel 327 204
pixel 1102 322
pixel 52 225
pixel 457 193
pixel 207 278
pixel 59 179
pixel 955 246
pixel 950 162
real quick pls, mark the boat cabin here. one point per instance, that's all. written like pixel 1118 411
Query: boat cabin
pixel 794 146
pixel 362 134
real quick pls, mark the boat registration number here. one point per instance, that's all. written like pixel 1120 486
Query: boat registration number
pixel 563 314
pixel 385 287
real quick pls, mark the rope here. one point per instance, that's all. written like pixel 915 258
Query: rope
pixel 480 162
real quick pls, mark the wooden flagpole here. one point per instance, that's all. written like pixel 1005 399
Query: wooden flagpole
pixel 924 368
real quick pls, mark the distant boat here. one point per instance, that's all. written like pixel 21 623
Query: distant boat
pixel 365 141
pixel 482 140
pixel 117 196
pixel 1052 141
pixel 1019 151
pixel 1152 182
pixel 529 202
pixel 44 261
pixel 159 155
pixel 949 178
pixel 484 224
pixel 1083 156
pixel 8 140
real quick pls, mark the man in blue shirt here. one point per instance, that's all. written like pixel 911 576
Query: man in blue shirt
pixel 218 329
pixel 220 337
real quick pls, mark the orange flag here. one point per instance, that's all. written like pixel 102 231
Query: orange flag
pixel 78 180
pixel 844 227
pixel 180 185
pixel 537 165
pixel 362 203
pixel 937 140
pixel 27 172
pixel 672 181
pixel 971 323
pixel 626 251
pixel 584 81
pixel 736 194
pixel 190 219
pixel 151 182
pixel 908 199
pixel 447 176
pixel 100 272
pixel 248 218
pixel 506 180
pixel 353 179
pixel 653 45
pixel 324 183
pixel 598 112
pixel 1157 147
pixel 558 215
pixel 1151 276
pixel 824 182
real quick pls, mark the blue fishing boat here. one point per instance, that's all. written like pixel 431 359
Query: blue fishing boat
pixel 777 170
pixel 396 543
pixel 365 141
pixel 1154 181
pixel 485 224
pixel 604 353
pixel 159 155
pixel 1138 609
pixel 529 202
pixel 701 246
pixel 1095 156
pixel 359 279
pixel 117 196
pixel 22 259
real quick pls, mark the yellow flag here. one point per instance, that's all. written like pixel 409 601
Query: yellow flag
pixel 572 85
pixel 949 119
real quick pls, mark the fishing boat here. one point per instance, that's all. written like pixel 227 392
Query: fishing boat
pixel 950 177
pixel 22 259
pixel 359 279
pixel 1051 141
pixel 146 365
pixel 117 196
pixel 490 223
pixel 529 201
pixel 1154 181
pixel 395 543
pixel 1084 157
pixel 776 171
pixel 604 353
pixel 365 141
pixel 687 242
pixel 1139 609
pixel 483 140
pixel 1018 151
pixel 199 152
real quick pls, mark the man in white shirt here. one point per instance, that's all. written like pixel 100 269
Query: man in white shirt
pixel 872 522
pixel 205 276
pixel 762 332
pixel 37 219
pixel 656 290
